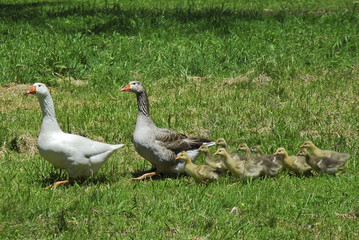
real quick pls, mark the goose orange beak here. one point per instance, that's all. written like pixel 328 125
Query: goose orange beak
pixel 302 146
pixel 276 153
pixel 178 157
pixel 216 153
pixel 127 88
pixel 32 90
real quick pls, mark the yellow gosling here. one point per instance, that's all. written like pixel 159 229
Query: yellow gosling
pixel 240 168
pixel 296 164
pixel 325 153
pixel 321 164
pixel 216 163
pixel 200 173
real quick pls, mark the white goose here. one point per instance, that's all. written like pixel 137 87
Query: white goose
pixel 79 156
pixel 160 146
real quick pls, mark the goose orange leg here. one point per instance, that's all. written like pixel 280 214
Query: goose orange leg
pixel 59 183
pixel 146 175
pixel 233 184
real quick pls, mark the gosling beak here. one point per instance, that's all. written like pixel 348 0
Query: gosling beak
pixel 32 90
pixel 302 146
pixel 127 88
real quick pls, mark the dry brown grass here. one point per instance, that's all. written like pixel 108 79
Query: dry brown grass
pixel 71 81
pixel 24 144
pixel 12 97
pixel 3 151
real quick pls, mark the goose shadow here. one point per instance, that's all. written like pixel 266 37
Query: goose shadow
pixel 85 181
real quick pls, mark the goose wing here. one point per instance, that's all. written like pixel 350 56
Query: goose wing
pixel 87 147
pixel 207 172
pixel 329 163
pixel 178 142
pixel 300 163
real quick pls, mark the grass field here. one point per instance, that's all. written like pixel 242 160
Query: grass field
pixel 273 73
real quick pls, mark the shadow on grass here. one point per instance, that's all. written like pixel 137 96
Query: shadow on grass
pixel 12 7
pixel 61 176
pixel 131 20
pixel 53 177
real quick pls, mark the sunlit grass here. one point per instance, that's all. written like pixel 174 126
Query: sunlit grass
pixel 274 74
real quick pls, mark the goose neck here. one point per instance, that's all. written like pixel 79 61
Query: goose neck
pixel 307 158
pixel 315 149
pixel 143 104
pixel 248 153
pixel 260 152
pixel 188 162
pixel 227 157
pixel 207 154
pixel 189 165
pixel 48 114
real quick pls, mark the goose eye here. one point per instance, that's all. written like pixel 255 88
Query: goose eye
pixel 39 85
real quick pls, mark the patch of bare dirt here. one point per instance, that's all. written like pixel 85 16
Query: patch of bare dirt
pixel 238 79
pixel 71 81
pixel 307 78
pixel 248 77
pixel 24 144
pixel 203 132
pixel 12 97
pixel 262 78
pixel 349 215
pixel 3 151
pixel 310 133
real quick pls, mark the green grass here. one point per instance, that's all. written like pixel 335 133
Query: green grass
pixel 273 73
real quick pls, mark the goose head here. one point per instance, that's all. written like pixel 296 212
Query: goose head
pixel 281 151
pixel 243 147
pixel 221 152
pixel 183 156
pixel 307 144
pixel 203 149
pixel 134 86
pixel 221 142
pixel 303 152
pixel 254 149
pixel 38 89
